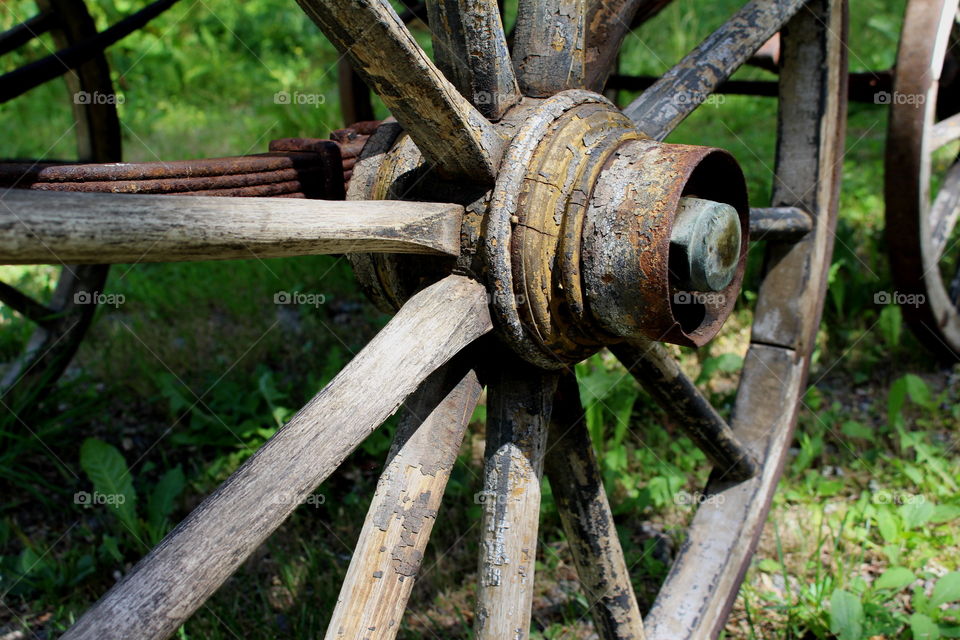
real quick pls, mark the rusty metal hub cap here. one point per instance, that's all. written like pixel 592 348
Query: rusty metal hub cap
pixel 591 234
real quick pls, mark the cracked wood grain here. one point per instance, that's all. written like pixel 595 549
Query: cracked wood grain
pixel 470 48
pixel 395 533
pixel 549 46
pixel 177 576
pixel 659 109
pixel 448 130
pixel 518 413
pixel 63 227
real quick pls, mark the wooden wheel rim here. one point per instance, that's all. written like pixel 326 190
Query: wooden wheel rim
pixel 914 258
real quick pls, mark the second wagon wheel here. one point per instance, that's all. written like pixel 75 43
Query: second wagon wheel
pixel 577 229
pixel 61 322
pixel 922 151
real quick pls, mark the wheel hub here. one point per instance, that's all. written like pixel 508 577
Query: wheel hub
pixel 591 234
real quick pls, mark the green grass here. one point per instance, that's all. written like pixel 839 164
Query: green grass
pixel 198 367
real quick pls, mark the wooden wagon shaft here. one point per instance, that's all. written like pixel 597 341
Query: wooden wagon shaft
pixel 549 46
pixel 56 228
pixel 387 557
pixel 651 364
pixel 170 583
pixel 575 480
pixel 470 48
pixel 725 529
pixel 692 80
pixel 518 413
pixel 448 130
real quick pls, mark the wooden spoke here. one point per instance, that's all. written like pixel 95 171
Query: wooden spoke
pixel 660 375
pixel 571 467
pixel 683 88
pixel 387 557
pixel 518 412
pixel 944 132
pixel 449 131
pixel 549 46
pixel 27 306
pixel 607 24
pixel 944 211
pixel 32 75
pixel 170 583
pixel 471 49
pixel 779 224
pixel 63 227
pixel 24 32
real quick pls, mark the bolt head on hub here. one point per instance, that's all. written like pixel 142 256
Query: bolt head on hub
pixel 704 244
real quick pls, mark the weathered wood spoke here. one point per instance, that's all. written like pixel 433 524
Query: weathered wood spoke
pixel 27 307
pixel 945 210
pixel 449 131
pixel 690 82
pixel 549 46
pixel 170 583
pixel 64 227
pixel 518 413
pixel 471 49
pixel 607 24
pixel 944 132
pixel 387 557
pixel 660 375
pixel 575 479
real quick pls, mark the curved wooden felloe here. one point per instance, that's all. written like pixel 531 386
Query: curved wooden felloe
pixel 919 223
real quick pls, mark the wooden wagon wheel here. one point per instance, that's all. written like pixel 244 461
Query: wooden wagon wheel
pixel 585 232
pixel 924 120
pixel 62 322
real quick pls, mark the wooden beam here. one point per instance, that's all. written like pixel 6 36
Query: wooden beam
pixel 170 583
pixel 56 228
pixel 387 557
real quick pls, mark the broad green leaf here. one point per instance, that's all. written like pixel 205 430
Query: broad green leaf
pixel 895 578
pixel 945 513
pixel 946 590
pixel 846 615
pixel 724 363
pixel 923 627
pixel 891 325
pixel 887 524
pixel 112 481
pixel 916 512
pixel 919 392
